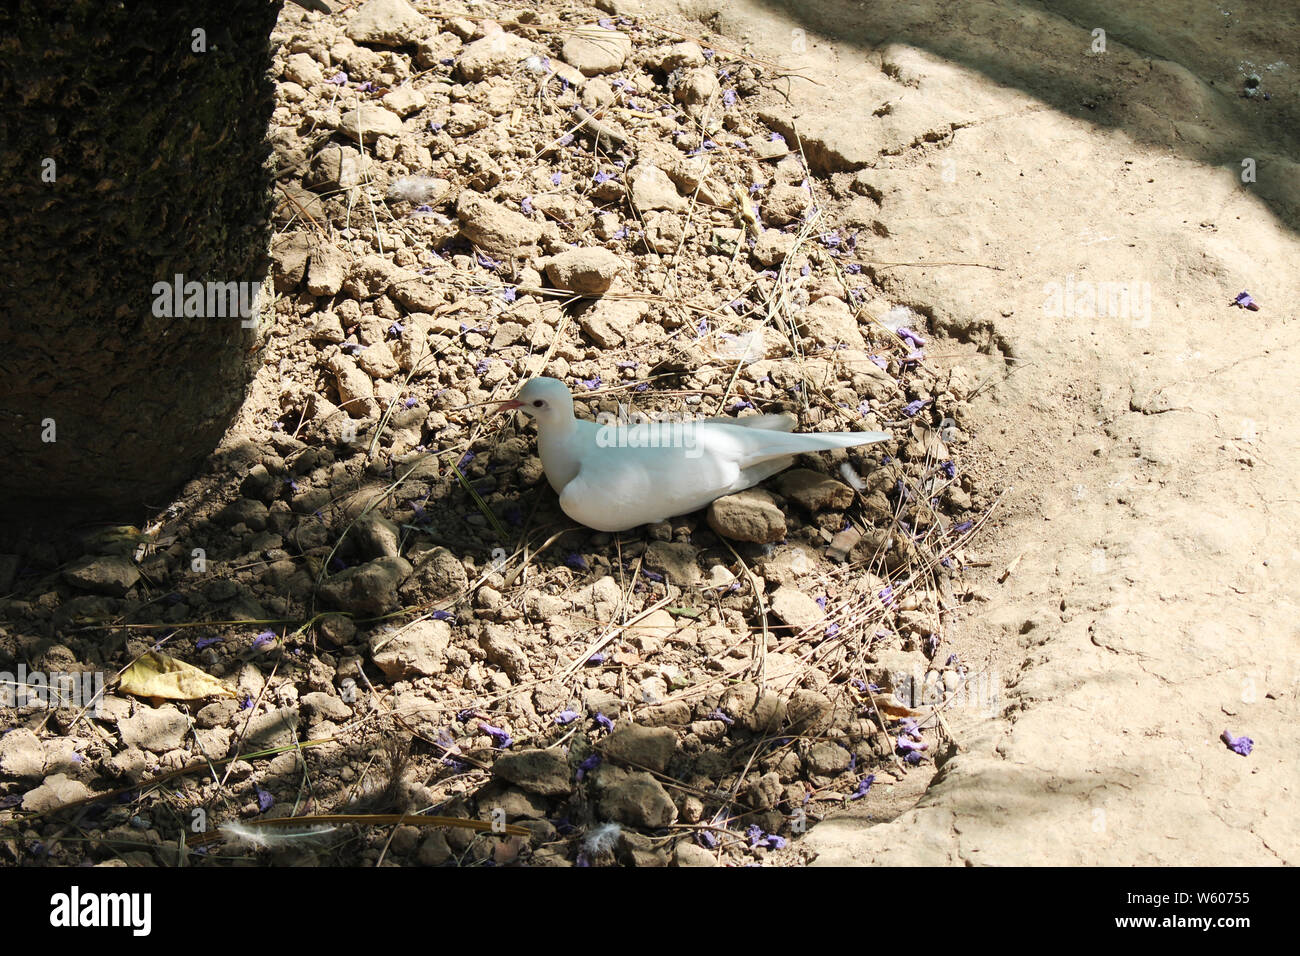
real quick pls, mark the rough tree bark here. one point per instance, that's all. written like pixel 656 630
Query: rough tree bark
pixel 127 157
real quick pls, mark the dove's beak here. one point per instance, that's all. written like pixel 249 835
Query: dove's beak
pixel 509 406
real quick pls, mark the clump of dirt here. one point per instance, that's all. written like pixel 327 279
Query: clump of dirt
pixel 377 568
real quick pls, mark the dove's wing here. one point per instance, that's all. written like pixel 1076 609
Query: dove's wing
pixel 647 473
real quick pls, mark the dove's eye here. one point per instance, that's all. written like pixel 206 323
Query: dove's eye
pixel 538 404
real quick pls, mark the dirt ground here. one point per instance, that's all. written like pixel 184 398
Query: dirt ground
pixel 1013 635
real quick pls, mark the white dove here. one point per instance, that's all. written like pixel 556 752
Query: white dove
pixel 615 477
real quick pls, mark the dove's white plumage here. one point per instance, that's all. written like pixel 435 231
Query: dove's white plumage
pixel 612 478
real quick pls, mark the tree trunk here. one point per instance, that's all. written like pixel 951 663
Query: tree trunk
pixel 132 150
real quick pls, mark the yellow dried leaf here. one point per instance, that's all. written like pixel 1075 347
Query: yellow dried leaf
pixel 157 675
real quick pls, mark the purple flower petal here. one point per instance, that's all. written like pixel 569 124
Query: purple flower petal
pixel 1245 301
pixel 910 337
pixel 1241 745
pixel 864 786
pixel 499 737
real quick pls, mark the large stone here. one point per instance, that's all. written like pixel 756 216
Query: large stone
pixel 493 227
pixel 749 515
pixel 593 49
pixel 584 271
pixel 815 491
pixel 416 650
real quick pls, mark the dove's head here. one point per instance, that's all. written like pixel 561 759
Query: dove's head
pixel 545 399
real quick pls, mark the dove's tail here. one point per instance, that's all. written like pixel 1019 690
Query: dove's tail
pixel 776 444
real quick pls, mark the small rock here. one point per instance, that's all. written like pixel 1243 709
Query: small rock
pixel 503 651
pixel 827 759
pixel 336 168
pixel 773 246
pixel 385 23
pixel 369 588
pixel 355 388
pixel 438 573
pixel 607 322
pixel 786 204
pixel 638 801
pixel 370 121
pixel 645 747
pixel 325 274
pixel 404 101
pixel 56 791
pixel 493 55
pixel 676 561
pixel 434 851
pixel 584 271
pixel 755 710
pixel 795 608
pixel 594 50
pixel 159 729
pixel 113 575
pixel 22 754
pixel 808 711
pixel 275 729
pixel 493 227
pixel 325 706
pixel 843 543
pixel 697 87
pixel 416 650
pixel 289 255
pixel 831 322
pixel 300 68
pixel 688 854
pixel 749 515
pixel 544 772
pixel 815 491
pixel 666 59
pixel 375 536
pixel 652 189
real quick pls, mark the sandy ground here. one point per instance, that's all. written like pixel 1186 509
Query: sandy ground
pixel 1147 456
